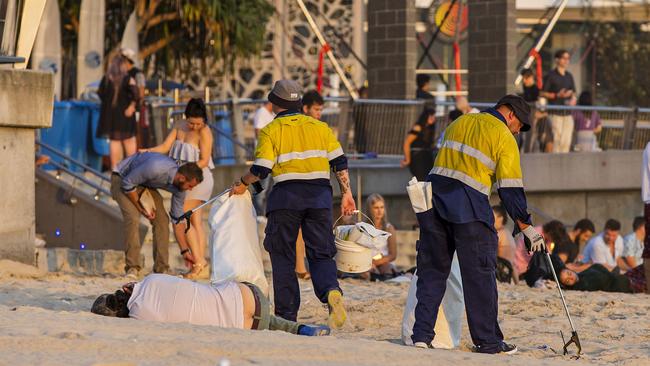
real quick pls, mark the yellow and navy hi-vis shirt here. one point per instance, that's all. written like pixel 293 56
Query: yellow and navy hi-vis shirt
pixel 478 151
pixel 299 152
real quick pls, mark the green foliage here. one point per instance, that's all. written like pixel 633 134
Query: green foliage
pixel 622 61
pixel 175 35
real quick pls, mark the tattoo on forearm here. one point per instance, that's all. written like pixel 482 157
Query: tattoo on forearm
pixel 344 181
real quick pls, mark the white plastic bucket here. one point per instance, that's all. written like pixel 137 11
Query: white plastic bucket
pixel 350 256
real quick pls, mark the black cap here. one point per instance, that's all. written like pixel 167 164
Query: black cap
pixel 519 106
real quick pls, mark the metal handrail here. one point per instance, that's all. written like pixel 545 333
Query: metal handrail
pixel 73 160
pixel 389 101
pixel 80 177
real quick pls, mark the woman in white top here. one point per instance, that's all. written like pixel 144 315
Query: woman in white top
pixel 382 264
pixel 191 141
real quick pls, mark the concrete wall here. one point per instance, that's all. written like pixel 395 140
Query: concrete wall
pixel 26 99
pixel 567 187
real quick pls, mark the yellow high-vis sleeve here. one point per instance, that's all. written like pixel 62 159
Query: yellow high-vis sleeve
pixel 265 154
pixel 334 149
pixel 508 172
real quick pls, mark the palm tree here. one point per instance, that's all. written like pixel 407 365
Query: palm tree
pixel 176 35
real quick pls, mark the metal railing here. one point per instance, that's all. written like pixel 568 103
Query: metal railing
pixel 68 162
pixel 377 127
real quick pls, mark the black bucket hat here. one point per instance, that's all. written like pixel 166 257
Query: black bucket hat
pixel 286 94
pixel 519 106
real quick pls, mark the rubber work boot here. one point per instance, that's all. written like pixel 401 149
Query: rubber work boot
pixel 314 330
pixel 337 315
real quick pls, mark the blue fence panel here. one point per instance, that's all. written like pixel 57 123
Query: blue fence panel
pixel 74 124
pixel 224 149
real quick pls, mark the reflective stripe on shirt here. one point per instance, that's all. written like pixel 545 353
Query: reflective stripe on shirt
pixel 301 155
pixel 509 183
pixel 458 175
pixel 466 149
pixel 264 162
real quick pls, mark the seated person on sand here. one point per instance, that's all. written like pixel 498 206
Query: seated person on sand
pixel 599 278
pixel 169 299
pixel 382 263
pixel 582 231
pixel 506 248
pixel 555 233
pixel 633 243
pixel 606 248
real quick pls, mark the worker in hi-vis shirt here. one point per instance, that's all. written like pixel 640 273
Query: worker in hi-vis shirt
pixel 299 152
pixel 478 152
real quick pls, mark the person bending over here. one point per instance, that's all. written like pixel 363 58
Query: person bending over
pixel 169 299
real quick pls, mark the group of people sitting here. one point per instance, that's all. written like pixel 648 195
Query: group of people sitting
pixel 582 259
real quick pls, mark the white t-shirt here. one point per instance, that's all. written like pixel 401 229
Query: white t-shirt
pixel 645 175
pixel 170 299
pixel 597 251
pixel 262 118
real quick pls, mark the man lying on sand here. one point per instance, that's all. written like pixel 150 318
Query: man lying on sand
pixel 168 299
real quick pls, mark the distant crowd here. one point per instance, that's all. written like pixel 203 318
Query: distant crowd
pixel 582 258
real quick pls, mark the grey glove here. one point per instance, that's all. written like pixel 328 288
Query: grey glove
pixel 533 240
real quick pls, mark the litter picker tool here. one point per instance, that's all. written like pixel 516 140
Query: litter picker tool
pixel 574 334
pixel 186 216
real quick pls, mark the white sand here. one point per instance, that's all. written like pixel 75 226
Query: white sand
pixel 45 321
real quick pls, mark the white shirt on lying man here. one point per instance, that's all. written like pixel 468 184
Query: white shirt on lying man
pixel 171 299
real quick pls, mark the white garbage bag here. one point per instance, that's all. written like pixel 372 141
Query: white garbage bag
pixel 234 242
pixel 449 323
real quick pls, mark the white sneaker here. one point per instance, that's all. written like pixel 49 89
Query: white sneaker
pixel 422 345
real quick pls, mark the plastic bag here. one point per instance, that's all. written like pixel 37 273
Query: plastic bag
pixel 234 243
pixel 363 234
pixel 450 315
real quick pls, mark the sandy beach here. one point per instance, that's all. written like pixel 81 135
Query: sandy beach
pixel 45 320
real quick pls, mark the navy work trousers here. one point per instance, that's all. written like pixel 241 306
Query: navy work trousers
pixel 476 245
pixel 281 234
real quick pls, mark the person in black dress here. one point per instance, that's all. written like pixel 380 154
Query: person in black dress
pixel 119 94
pixel 418 145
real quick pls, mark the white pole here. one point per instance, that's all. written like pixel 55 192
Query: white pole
pixel 330 55
pixel 31 18
pixel 544 36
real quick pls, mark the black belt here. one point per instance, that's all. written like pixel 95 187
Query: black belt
pixel 258 307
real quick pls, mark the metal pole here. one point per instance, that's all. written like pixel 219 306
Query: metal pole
pixel 566 309
pixel 544 37
pixel 283 41
pixel 359 194
pixel 237 120
pixel 330 55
